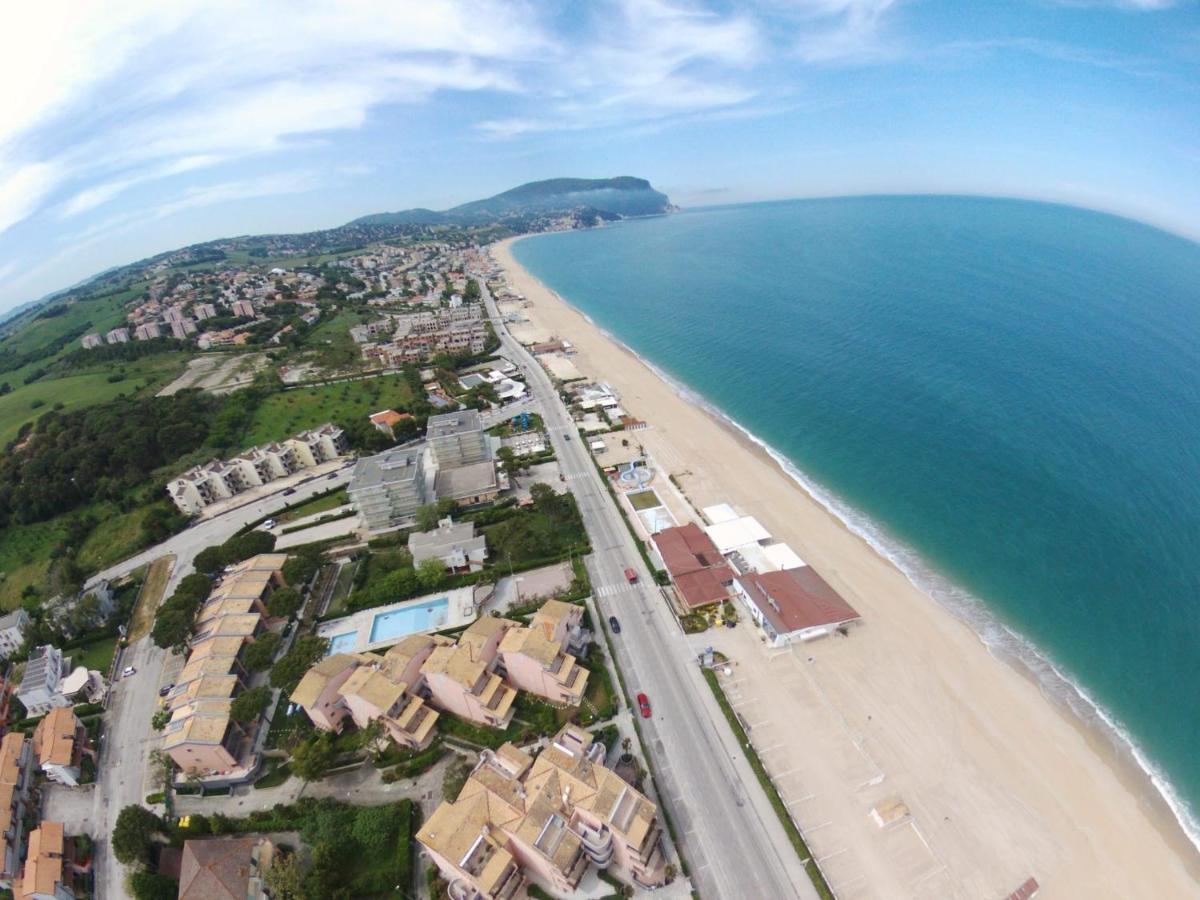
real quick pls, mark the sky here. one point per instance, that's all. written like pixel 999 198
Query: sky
pixel 131 128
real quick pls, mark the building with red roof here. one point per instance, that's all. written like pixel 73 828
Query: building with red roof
pixel 793 604
pixel 701 574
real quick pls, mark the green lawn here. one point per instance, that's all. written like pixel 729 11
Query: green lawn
pixel 98 655
pixel 647 499
pixel 316 505
pixel 283 414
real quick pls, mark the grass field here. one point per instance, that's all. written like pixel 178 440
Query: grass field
pixel 644 499
pixel 25 558
pixel 285 413
pixel 116 536
pixel 331 339
pixel 316 505
pixel 29 401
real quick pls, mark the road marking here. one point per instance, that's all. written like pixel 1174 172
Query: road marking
pixel 822 859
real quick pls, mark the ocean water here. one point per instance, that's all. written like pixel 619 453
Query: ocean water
pixel 1004 396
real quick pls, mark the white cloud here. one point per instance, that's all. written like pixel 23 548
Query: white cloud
pixel 843 31
pixel 22 189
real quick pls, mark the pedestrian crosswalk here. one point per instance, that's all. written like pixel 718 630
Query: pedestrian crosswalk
pixel 611 590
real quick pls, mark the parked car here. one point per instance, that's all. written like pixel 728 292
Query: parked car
pixel 268 525
pixel 165 689
pixel 630 575
pixel 289 491
pixel 614 624
pixel 331 476
pixel 129 670
pixel 644 705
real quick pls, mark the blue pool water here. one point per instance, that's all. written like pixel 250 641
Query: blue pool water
pixel 409 620
pixel 343 643
pixel 1003 396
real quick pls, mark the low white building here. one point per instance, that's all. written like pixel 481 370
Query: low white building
pixel 455 544
pixel 792 605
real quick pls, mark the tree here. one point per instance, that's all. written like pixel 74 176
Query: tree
pixel 249 705
pixel 427 517
pixel 210 560
pixel 134 834
pixel 160 719
pixel 285 879
pixel 431 573
pixel 260 653
pixel 455 777
pixel 152 886
pixel 286 673
pixel 376 826
pixel 172 628
pixel 284 602
pixel 302 565
pixel 313 757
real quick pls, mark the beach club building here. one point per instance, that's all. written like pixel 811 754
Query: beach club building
pixel 793 605
pixel 701 575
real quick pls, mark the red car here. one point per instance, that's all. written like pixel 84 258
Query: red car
pixel 644 705
pixel 630 576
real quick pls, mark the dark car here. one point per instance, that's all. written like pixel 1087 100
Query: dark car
pixel 289 491
pixel 165 689
pixel 644 705
pixel 614 624
pixel 332 475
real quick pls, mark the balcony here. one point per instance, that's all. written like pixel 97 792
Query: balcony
pixel 597 844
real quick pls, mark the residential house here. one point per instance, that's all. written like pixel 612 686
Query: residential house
pixel 49 871
pixel 59 742
pixel 225 868
pixel 455 544
pixel 386 421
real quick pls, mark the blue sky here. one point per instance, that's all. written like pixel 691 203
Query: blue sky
pixel 132 128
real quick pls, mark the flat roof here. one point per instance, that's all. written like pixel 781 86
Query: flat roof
pixel 721 512
pixel 466 481
pixel 458 422
pixel 730 535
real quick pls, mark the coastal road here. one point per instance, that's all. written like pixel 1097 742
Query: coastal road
pixel 726 827
pixel 123 775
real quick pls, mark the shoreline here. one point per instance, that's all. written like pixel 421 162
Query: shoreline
pixel 1112 752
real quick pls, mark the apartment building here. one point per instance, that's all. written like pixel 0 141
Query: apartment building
pixel 461 679
pixel 13 626
pixel 533 658
pixel 243 308
pixel 204 485
pixel 457 439
pixel 365 687
pixel 387 489
pixel 455 544
pixel 181 328
pixel 204 311
pixel 545 817
pixel 15 756
pixel 147 331
pixel 91 340
pixel 59 742
pixel 39 689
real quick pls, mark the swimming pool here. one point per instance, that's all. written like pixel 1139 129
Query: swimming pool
pixel 397 623
pixel 343 643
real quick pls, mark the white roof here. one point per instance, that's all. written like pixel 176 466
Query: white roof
pixel 722 512
pixel 782 556
pixel 75 682
pixel 728 536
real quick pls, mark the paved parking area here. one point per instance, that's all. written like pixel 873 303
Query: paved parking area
pixel 824 770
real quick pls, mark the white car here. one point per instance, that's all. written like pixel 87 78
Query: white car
pixel 128 671
pixel 268 525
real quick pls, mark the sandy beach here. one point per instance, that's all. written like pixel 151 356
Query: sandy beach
pixel 1001 783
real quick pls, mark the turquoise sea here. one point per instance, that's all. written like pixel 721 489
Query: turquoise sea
pixel 1003 395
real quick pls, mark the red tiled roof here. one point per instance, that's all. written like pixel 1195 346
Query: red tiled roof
pixel 795 599
pixel 696 565
pixel 388 417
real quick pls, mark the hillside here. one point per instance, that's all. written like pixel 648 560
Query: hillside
pixel 606 198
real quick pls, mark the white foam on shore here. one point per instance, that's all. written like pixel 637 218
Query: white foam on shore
pixel 1000 640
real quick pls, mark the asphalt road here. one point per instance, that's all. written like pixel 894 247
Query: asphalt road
pixel 728 831
pixel 123 775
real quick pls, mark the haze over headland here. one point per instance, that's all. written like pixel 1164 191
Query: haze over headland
pixel 141 130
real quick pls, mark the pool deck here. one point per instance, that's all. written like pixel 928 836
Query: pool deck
pixel 459 611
